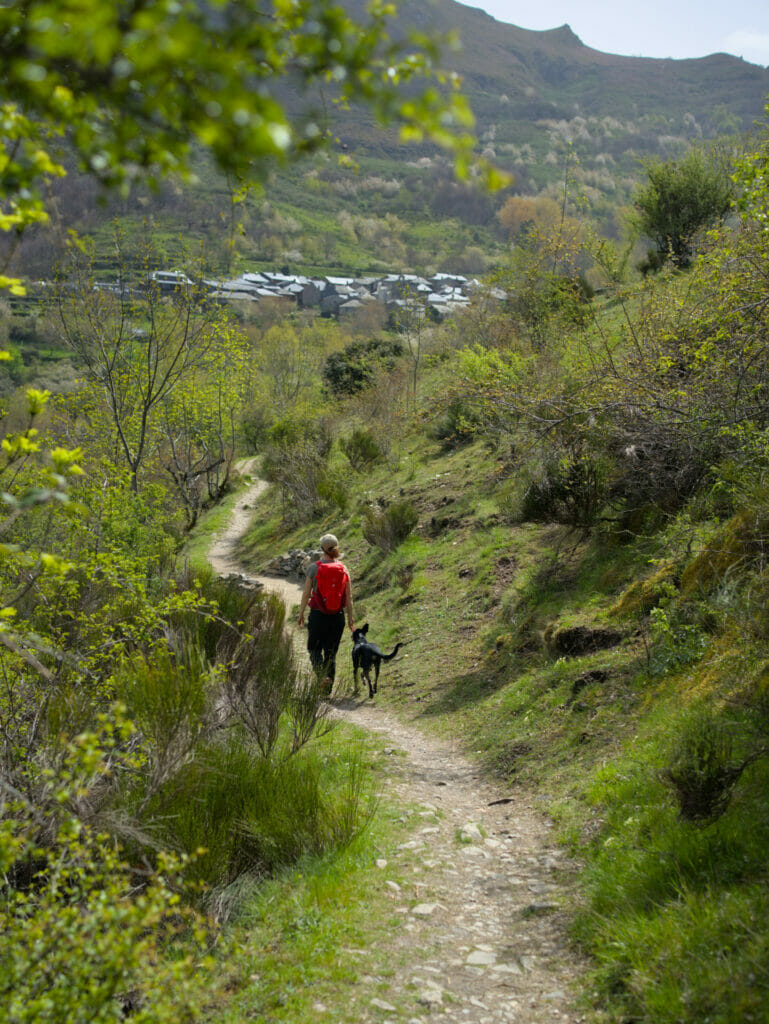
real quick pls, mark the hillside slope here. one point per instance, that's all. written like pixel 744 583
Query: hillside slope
pixel 517 79
pixel 548 110
pixel 574 543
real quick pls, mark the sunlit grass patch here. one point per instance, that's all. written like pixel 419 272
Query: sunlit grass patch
pixel 321 932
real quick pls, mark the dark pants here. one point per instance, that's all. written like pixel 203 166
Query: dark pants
pixel 324 634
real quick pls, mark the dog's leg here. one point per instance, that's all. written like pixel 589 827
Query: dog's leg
pixel 376 676
pixel 367 677
pixel 355 672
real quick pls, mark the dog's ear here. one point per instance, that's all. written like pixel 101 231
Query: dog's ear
pixel 364 628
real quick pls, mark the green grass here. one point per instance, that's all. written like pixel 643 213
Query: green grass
pixel 254 816
pixel 675 913
pixel 322 931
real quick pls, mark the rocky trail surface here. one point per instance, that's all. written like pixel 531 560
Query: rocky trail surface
pixel 482 886
pixel 222 553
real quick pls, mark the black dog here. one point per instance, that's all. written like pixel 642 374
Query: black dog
pixel 366 656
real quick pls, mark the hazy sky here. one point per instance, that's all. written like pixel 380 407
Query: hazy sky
pixel 649 28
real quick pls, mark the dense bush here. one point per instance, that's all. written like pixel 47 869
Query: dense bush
pixel 681 199
pixel 704 769
pixel 549 301
pixel 387 527
pixel 254 815
pixel 29 331
pixel 219 717
pixel 82 935
pixel 12 372
pixel 571 490
pixel 357 366
pixel 361 448
pixel 184 662
pixel 457 423
pixel 255 424
pixel 296 459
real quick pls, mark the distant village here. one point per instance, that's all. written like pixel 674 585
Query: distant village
pixel 440 294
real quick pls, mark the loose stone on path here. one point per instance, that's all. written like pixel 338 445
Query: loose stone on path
pixel 494 956
pixel 424 909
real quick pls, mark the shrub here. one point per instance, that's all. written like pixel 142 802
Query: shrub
pixel 387 527
pixel 28 331
pixel 296 459
pixel 255 424
pixel 571 490
pixel 82 937
pixel 457 424
pixel 361 449
pixel 681 199
pixel 224 663
pixel 12 371
pixel 356 367
pixel 167 695
pixel 223 614
pixel 333 488
pixel 675 641
pixel 253 815
pixel 703 771
pixel 81 944
pixel 567 298
pixel 263 687
pixel 243 636
pixel 660 466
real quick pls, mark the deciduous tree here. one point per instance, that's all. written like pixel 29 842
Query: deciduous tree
pixel 137 346
pixel 680 199
pixel 198 422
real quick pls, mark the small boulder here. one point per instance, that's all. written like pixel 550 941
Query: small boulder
pixel 380 1004
pixel 424 909
pixel 481 958
pixel 470 833
pixel 430 996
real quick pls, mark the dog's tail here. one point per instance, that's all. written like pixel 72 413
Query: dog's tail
pixel 391 655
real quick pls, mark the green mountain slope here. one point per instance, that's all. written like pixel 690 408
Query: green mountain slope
pixel 515 74
pixel 536 93
pixel 543 101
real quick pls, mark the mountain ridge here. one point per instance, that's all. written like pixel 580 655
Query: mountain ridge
pixel 561 118
pixel 499 60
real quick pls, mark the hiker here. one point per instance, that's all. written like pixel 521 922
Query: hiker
pixel 327 591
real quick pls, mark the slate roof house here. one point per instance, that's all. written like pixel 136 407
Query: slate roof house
pixel 335 296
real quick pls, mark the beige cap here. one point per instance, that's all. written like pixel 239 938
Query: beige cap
pixel 327 541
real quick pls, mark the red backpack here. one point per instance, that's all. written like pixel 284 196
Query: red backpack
pixel 330 585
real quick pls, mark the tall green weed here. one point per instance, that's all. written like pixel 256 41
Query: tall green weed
pixel 675 906
pixel 251 815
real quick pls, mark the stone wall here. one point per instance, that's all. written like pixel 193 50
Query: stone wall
pixel 292 565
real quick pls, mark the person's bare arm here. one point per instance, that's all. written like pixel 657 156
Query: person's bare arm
pixel 305 598
pixel 348 605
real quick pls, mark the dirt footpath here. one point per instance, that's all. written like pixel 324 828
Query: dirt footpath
pixel 222 556
pixel 484 924
pixel 483 939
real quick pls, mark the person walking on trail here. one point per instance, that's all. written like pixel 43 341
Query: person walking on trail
pixel 328 592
